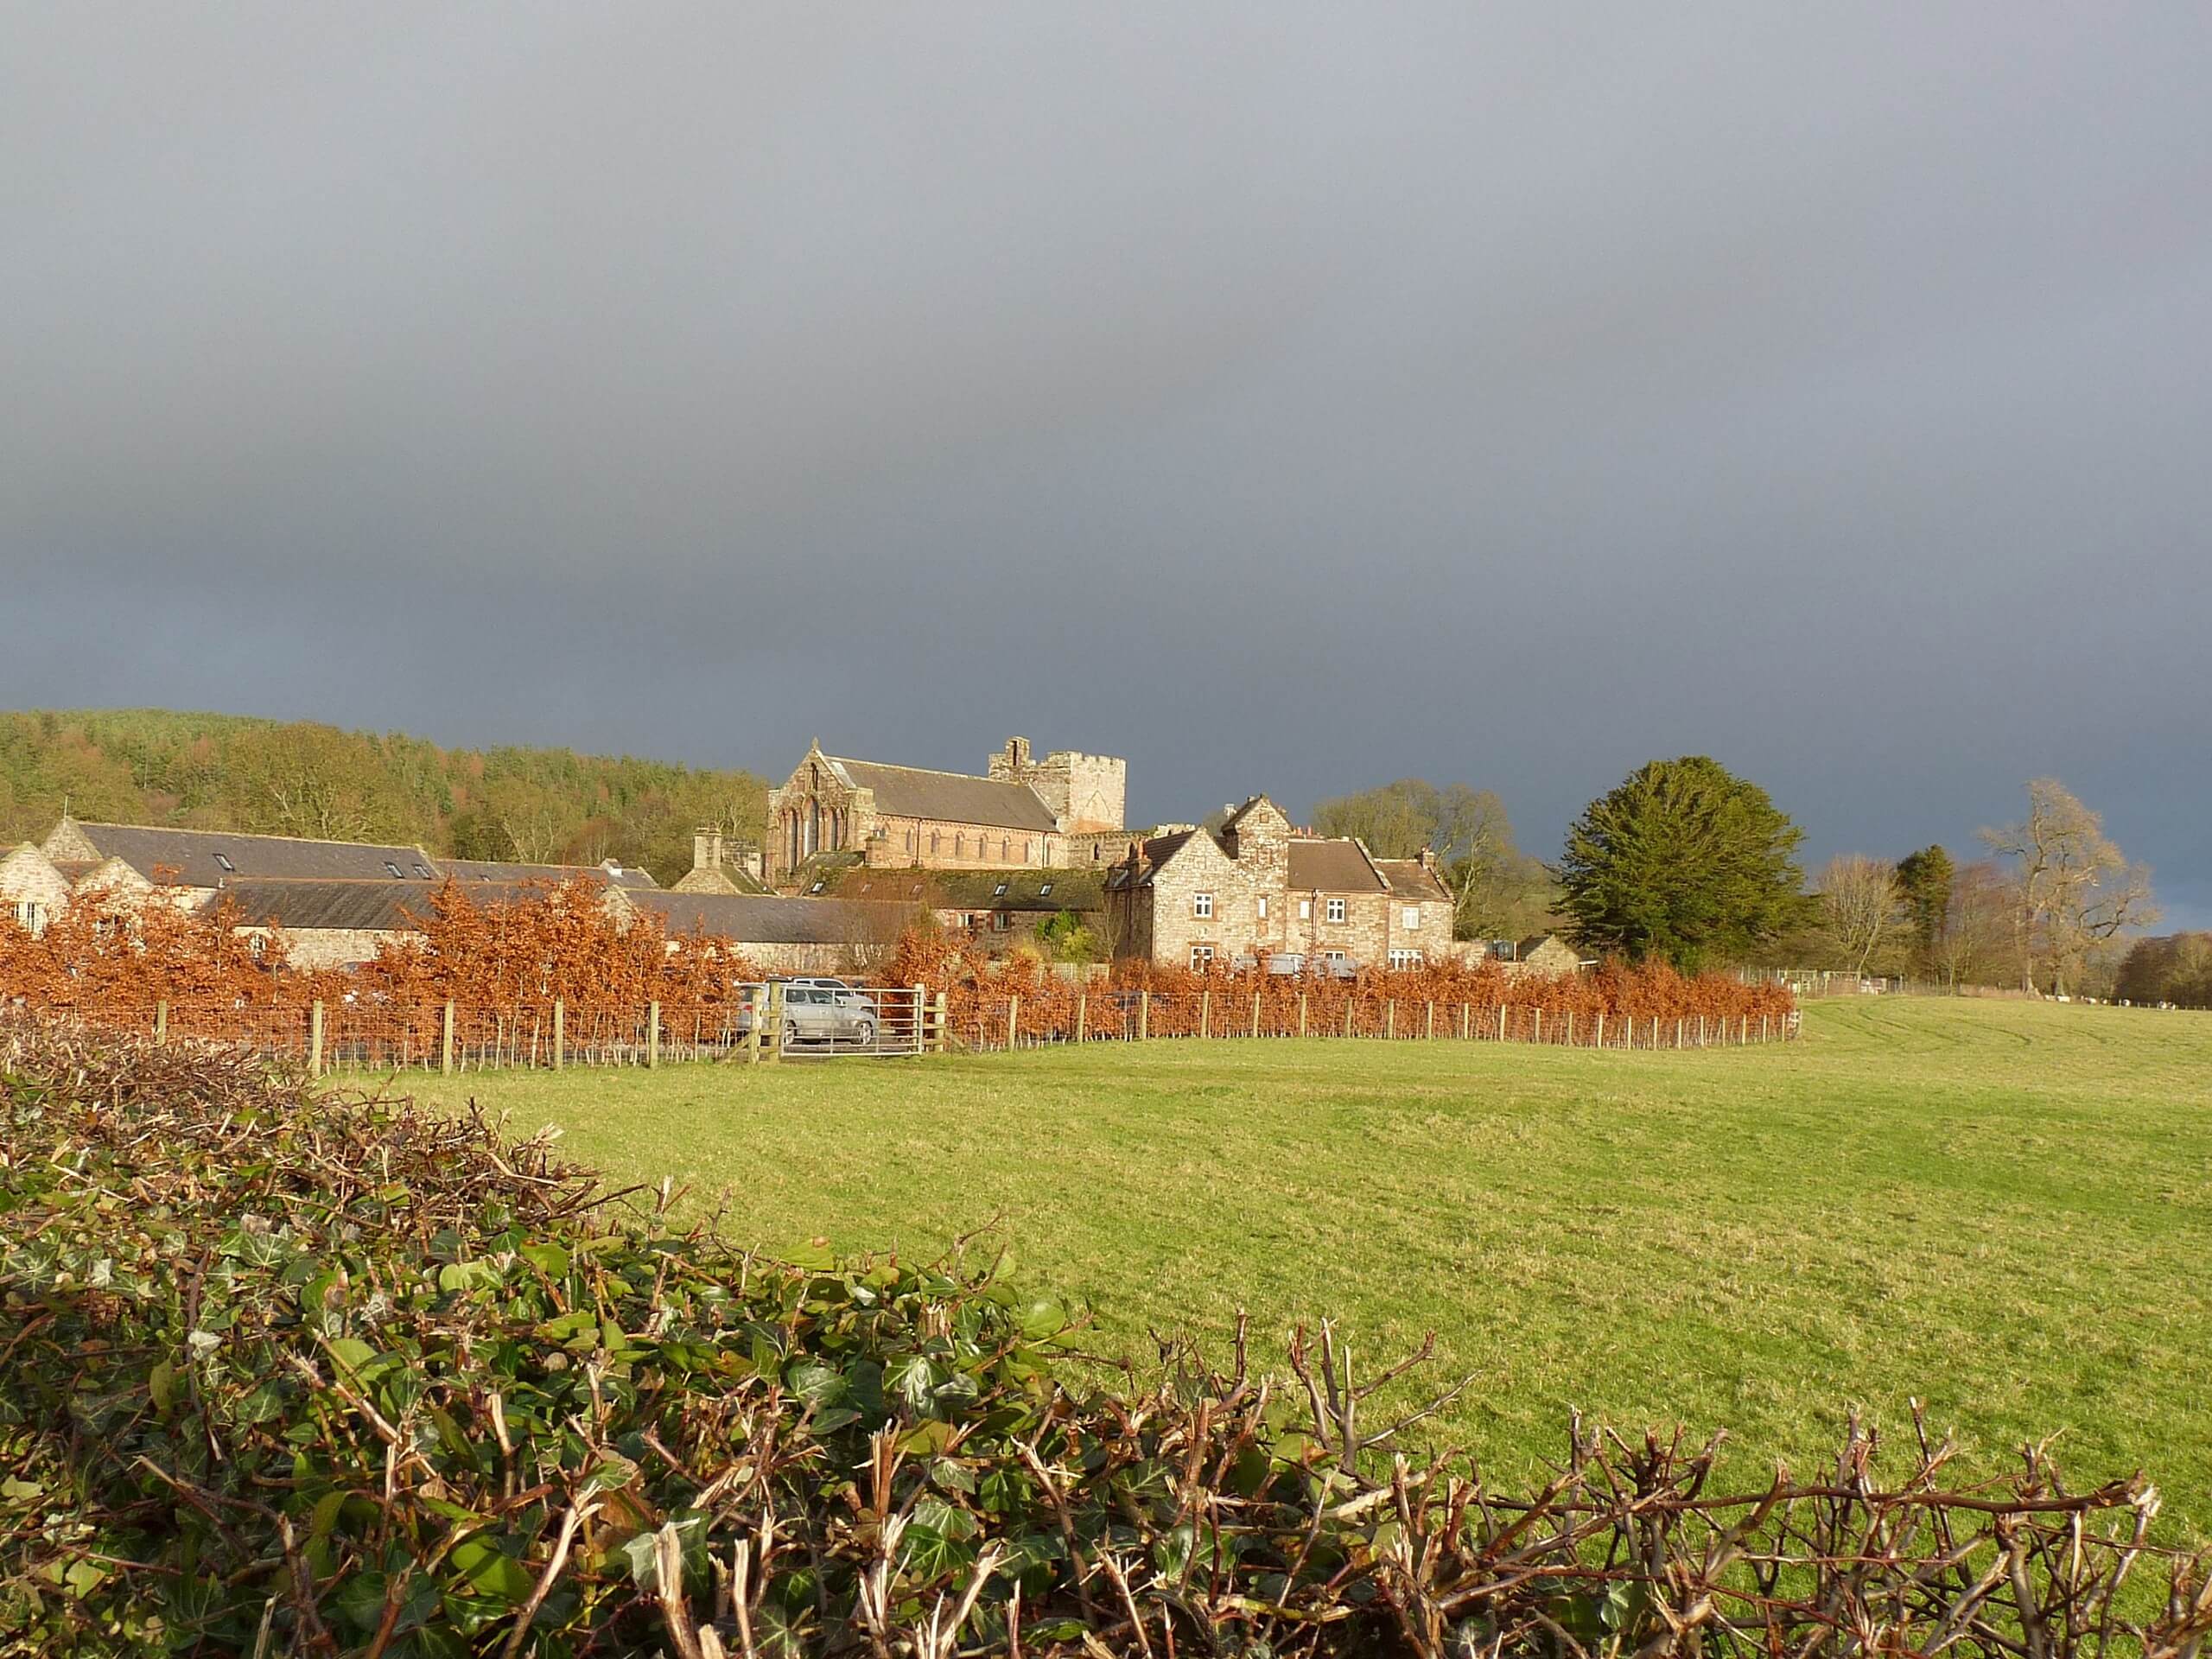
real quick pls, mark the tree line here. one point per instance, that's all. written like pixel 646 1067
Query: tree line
pixel 221 772
pixel 1686 863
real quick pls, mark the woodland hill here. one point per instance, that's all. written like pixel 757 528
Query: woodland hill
pixel 226 772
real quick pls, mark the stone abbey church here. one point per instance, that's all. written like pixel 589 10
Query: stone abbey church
pixel 1257 889
pixel 1062 812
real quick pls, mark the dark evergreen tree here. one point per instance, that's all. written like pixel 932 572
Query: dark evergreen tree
pixel 1684 861
pixel 1924 880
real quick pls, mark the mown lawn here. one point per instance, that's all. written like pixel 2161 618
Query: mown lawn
pixel 2003 1209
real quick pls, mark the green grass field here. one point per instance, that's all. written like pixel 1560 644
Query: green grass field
pixel 2003 1208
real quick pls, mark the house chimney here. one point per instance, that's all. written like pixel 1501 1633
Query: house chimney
pixel 707 846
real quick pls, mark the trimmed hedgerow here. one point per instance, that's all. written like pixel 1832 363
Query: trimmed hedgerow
pixel 283 1372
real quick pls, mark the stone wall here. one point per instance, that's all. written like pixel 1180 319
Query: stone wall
pixel 31 892
pixel 318 950
pixel 898 843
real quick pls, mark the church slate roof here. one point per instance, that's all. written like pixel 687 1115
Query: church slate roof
pixel 947 796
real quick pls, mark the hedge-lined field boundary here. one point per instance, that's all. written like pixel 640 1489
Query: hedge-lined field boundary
pixel 285 1372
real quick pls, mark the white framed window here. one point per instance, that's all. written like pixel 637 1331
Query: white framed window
pixel 1334 958
pixel 1413 919
pixel 1336 910
pixel 1001 920
pixel 1202 906
pixel 1305 910
pixel 1201 956
pixel 1405 959
pixel 1263 906
pixel 30 915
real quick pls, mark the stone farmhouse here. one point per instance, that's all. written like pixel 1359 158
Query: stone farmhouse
pixel 1063 812
pixel 1259 891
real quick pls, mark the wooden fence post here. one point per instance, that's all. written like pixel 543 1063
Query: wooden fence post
pixel 445 1041
pixel 1428 1027
pixel 1347 1016
pixel 1569 1039
pixel 1144 1015
pixel 162 1021
pixel 1501 1022
pixel 1255 1013
pixel 560 1033
pixel 314 1039
pixel 752 1026
pixel 1301 1013
pixel 1600 1041
pixel 1466 1019
pixel 1012 1019
pixel 1082 1016
pixel 1536 1032
pixel 652 1036
pixel 943 1020
pixel 773 1038
pixel 1205 1014
pixel 1390 1018
pixel 1762 1027
pixel 1679 1026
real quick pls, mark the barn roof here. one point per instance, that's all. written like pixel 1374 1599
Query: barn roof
pixel 949 796
pixel 211 858
pixel 473 870
pixel 1046 891
pixel 750 919
pixel 385 906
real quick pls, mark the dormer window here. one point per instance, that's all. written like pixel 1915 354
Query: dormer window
pixel 223 860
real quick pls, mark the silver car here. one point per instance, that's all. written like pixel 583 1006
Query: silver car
pixel 828 1011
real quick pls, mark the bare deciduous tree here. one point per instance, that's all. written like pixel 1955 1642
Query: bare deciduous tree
pixel 1858 896
pixel 2076 889
pixel 1976 944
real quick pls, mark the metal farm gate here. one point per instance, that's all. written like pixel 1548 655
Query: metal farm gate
pixel 823 1018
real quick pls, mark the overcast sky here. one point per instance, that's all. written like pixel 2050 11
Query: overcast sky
pixel 1286 398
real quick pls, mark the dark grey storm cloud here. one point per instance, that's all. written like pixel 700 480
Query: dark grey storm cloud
pixel 1286 397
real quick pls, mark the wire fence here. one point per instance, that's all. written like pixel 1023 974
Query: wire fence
pixel 817 1019
pixel 833 1020
pixel 988 1024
